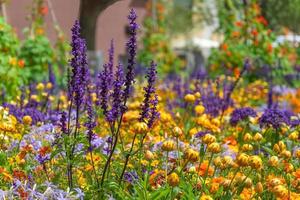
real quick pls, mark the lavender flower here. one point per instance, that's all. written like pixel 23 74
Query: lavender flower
pixel 131 177
pixel 241 114
pixel 154 114
pixel 273 117
pixel 91 123
pixel 63 122
pixel 131 50
pixel 149 91
pixel 116 109
pixel 103 88
pixel 80 72
pixel 111 62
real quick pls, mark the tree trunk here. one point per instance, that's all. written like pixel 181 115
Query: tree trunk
pixel 88 15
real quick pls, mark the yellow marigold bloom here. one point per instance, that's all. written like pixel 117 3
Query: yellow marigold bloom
pixel 12 61
pixel 255 162
pixel 177 130
pixel 149 155
pixel 40 86
pixel 259 187
pixel 168 145
pixel 191 155
pixel 208 139
pixel 214 147
pixel 165 117
pixel 280 191
pixel 190 98
pixel 297 153
pixel 247 147
pixel 173 179
pixel 193 131
pixel 197 94
pixel 94 97
pixel 140 127
pixel 217 161
pixel 199 109
pixel 273 161
pixel 49 85
pixel 257 137
pixel 27 120
pixel 247 137
pixel 205 197
pixel 286 154
pixel 154 163
pixel 243 159
pixel 294 135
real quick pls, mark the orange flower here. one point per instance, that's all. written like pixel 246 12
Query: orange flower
pixel 236 72
pixel 254 32
pixel 269 48
pixel 44 10
pixel 239 23
pixel 203 167
pixel 297 174
pixel 235 34
pixel 44 150
pixel 21 63
pixel 224 46
pixel 230 141
pixel 262 20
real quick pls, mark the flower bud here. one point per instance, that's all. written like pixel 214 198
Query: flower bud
pixel 49 85
pixel 168 145
pixel 197 94
pixel 286 154
pixel 149 155
pixel 273 161
pixel 199 109
pixel 247 147
pixel 214 147
pixel 259 187
pixel 297 153
pixel 255 162
pixel 173 179
pixel 191 155
pixel 242 159
pixel 294 135
pixel 257 137
pixel 208 139
pixel 140 127
pixel 40 86
pixel 247 137
pixel 27 120
pixel 190 98
pixel 280 191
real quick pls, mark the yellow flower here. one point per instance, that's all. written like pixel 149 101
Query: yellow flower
pixel 173 179
pixel 205 197
pixel 168 145
pixel 199 109
pixel 40 86
pixel 255 162
pixel 190 98
pixel 214 147
pixel 243 159
pixel 191 155
pixel 140 127
pixel 294 135
pixel 208 139
pixel 27 120
pixel 149 155
pixel 273 161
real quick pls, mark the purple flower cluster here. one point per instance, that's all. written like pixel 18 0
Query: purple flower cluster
pixel 90 124
pixel 80 72
pixel 131 177
pixel 148 107
pixel 273 117
pixel 241 114
pixel 131 51
pixel 117 94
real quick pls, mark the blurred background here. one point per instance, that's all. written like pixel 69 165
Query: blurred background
pixel 184 36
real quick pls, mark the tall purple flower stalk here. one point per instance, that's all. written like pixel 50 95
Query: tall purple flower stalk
pixel 148 107
pixel 131 51
pixel 63 122
pixel 90 124
pixel 111 62
pixel 116 109
pixel 103 89
pixel 80 72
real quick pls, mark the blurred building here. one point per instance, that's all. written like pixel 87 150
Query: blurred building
pixel 111 23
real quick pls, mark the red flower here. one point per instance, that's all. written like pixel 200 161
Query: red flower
pixel 44 10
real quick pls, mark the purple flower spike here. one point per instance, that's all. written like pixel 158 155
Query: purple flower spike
pixel 111 62
pixel 149 91
pixel 116 109
pixel 131 51
pixel 80 72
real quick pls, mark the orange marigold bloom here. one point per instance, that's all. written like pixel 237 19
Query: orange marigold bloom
pixel 235 34
pixel 254 32
pixel 203 167
pixel 21 63
pixel 224 46
pixel 239 23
